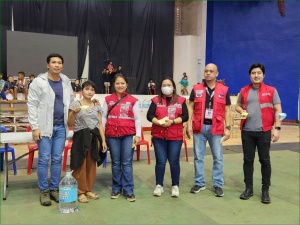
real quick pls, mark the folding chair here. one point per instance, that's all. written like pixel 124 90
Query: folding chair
pixel 9 149
pixel 31 148
pixel 138 145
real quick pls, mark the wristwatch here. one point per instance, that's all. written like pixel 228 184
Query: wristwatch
pixel 228 127
pixel 278 128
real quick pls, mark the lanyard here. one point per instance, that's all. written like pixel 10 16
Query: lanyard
pixel 210 97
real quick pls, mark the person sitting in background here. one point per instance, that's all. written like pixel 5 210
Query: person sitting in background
pixel 110 67
pixel 184 83
pixel 77 88
pixel 106 79
pixel 2 83
pixel 8 87
pixel 112 73
pixel 119 70
pixel 151 87
pixel 21 85
pixel 31 78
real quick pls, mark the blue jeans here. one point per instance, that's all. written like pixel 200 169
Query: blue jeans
pixel 167 150
pixel 121 153
pixel 51 147
pixel 3 95
pixel 199 152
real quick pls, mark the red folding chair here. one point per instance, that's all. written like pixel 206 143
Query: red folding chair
pixel 32 147
pixel 68 146
pixel 138 147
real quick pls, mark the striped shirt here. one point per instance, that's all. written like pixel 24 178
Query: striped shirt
pixel 86 118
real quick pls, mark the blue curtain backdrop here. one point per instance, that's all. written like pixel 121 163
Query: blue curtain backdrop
pixel 242 33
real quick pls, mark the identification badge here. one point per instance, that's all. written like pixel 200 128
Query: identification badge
pixel 171 112
pixel 208 114
pixel 124 108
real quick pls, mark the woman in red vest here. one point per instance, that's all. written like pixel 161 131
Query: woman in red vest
pixel 121 117
pixel 167 112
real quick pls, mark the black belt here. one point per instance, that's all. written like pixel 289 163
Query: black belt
pixel 208 122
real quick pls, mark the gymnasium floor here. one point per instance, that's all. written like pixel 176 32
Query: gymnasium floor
pixel 22 205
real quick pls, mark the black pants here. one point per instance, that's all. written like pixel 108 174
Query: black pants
pixel 262 141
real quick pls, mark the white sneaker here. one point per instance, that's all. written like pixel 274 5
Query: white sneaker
pixel 175 191
pixel 158 190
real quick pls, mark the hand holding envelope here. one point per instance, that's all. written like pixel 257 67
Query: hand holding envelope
pixel 244 115
pixel 163 120
pixel 222 139
pixel 84 107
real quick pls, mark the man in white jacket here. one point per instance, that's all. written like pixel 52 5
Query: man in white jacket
pixel 49 98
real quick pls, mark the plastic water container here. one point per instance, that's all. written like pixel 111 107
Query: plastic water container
pixel 68 194
pixel 144 105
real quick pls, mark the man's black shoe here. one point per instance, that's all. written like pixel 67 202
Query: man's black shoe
pixel 265 198
pixel 247 194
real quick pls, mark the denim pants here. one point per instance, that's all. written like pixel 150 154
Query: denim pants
pixel 51 147
pixel 121 153
pixel 3 95
pixel 250 141
pixel 199 153
pixel 167 150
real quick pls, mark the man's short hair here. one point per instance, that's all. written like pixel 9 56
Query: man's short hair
pixel 257 65
pixel 52 55
pixel 21 72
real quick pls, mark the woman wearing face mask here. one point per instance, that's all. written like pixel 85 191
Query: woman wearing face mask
pixel 167 112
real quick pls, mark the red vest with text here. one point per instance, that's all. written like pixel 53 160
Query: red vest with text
pixel 265 98
pixel 219 104
pixel 173 132
pixel 120 120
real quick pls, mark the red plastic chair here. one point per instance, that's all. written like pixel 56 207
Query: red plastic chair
pixel 68 146
pixel 32 147
pixel 138 145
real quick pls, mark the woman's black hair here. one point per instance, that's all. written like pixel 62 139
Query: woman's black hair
pixel 175 96
pixel 88 83
pixel 121 76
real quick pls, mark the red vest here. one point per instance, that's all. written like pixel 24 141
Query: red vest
pixel 219 104
pixel 173 132
pixel 120 120
pixel 265 98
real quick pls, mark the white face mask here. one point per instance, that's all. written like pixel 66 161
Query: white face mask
pixel 167 90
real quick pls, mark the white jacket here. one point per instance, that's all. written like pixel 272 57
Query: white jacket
pixel 41 103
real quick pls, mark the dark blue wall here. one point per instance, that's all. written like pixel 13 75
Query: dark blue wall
pixel 242 33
